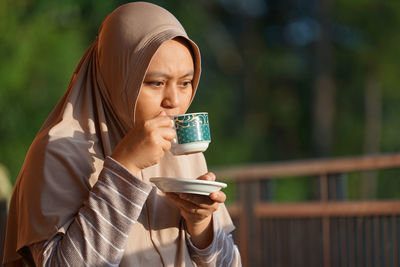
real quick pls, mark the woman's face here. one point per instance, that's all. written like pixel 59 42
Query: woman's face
pixel 167 85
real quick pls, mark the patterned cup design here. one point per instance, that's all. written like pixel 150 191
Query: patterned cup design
pixel 192 128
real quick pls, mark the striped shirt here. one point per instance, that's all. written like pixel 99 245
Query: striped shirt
pixel 99 232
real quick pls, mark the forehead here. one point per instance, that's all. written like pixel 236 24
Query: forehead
pixel 175 44
pixel 174 55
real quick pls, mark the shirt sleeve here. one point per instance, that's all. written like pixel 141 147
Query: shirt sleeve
pixel 99 232
pixel 221 252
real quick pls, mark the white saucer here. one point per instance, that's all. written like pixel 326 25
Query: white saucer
pixel 184 185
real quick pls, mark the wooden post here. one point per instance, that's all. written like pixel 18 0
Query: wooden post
pixel 395 241
pixel 249 196
pixel 325 221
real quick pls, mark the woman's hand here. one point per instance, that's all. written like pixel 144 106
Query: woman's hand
pixel 197 211
pixel 145 144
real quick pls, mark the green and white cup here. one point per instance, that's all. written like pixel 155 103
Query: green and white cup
pixel 192 133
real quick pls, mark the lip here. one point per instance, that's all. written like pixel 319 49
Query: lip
pixel 171 114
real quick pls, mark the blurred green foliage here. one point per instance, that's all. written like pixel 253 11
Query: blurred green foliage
pixel 260 63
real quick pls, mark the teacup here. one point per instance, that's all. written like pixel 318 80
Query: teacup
pixel 192 133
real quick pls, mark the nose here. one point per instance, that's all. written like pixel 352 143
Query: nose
pixel 171 97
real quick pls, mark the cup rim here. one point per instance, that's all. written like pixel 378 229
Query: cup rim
pixel 192 113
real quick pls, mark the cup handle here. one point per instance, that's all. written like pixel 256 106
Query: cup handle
pixel 175 140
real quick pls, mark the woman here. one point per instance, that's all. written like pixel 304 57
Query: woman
pixel 83 197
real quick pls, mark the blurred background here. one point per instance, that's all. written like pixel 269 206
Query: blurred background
pixel 282 81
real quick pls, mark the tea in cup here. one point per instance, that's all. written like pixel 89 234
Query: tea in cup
pixel 192 133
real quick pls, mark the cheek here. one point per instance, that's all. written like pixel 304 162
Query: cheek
pixel 185 100
pixel 146 107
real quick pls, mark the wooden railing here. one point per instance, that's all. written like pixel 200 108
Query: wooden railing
pixel 326 231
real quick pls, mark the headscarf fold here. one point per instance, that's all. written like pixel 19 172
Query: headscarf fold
pixel 97 110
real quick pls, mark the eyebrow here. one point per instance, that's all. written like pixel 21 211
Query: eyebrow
pixel 164 75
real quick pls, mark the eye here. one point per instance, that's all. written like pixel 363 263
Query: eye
pixel 155 84
pixel 186 84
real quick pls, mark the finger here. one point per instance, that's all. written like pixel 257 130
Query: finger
pixel 190 211
pixel 172 196
pixel 209 176
pixel 195 210
pixel 218 196
pixel 165 145
pixel 163 121
pixel 167 134
pixel 196 199
pixel 181 203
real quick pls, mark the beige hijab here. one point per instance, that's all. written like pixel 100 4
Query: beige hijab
pixel 97 110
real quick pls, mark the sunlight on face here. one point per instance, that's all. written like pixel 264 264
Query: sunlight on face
pixel 167 85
